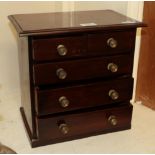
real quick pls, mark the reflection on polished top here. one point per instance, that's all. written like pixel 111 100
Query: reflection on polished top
pixel 49 23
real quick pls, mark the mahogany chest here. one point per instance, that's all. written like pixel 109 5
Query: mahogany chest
pixel 75 73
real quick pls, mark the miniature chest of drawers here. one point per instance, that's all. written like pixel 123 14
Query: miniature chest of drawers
pixel 75 73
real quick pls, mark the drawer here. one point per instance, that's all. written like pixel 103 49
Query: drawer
pixel 83 96
pixel 68 71
pixel 59 48
pixel 84 124
pixel 112 42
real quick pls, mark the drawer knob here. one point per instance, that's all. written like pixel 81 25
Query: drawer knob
pixel 62 50
pixel 112 120
pixel 114 95
pixel 64 102
pixel 112 67
pixel 64 128
pixel 61 73
pixel 112 42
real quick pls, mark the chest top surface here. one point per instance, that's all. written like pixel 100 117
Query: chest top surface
pixel 58 22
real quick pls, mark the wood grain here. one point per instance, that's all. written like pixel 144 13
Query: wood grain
pixel 146 68
pixel 84 123
pixel 83 96
pixel 82 69
pixel 88 77
pixel 60 22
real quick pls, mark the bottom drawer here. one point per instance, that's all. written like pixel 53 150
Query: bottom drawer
pixel 84 124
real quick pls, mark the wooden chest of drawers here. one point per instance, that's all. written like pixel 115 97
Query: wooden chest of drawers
pixel 75 73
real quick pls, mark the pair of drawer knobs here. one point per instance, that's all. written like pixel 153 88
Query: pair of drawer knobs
pixel 64 102
pixel 62 74
pixel 64 128
pixel 62 50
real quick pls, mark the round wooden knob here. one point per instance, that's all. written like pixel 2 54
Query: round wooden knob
pixel 62 50
pixel 112 42
pixel 64 128
pixel 112 67
pixel 112 120
pixel 61 73
pixel 114 95
pixel 64 102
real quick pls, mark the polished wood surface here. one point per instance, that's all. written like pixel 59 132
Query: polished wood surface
pixel 42 142
pixel 45 49
pixel 146 68
pixel 82 123
pixel 84 89
pixel 60 22
pixel 82 69
pixel 97 42
pixel 83 96
pixel 26 89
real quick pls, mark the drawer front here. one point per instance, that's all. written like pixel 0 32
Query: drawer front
pixel 80 124
pixel 59 48
pixel 61 72
pixel 104 43
pixel 112 42
pixel 83 96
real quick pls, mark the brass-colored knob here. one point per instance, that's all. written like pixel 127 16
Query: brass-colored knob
pixel 112 120
pixel 112 42
pixel 62 50
pixel 114 95
pixel 112 67
pixel 61 73
pixel 64 128
pixel 64 102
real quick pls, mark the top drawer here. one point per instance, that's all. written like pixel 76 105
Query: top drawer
pixel 95 44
